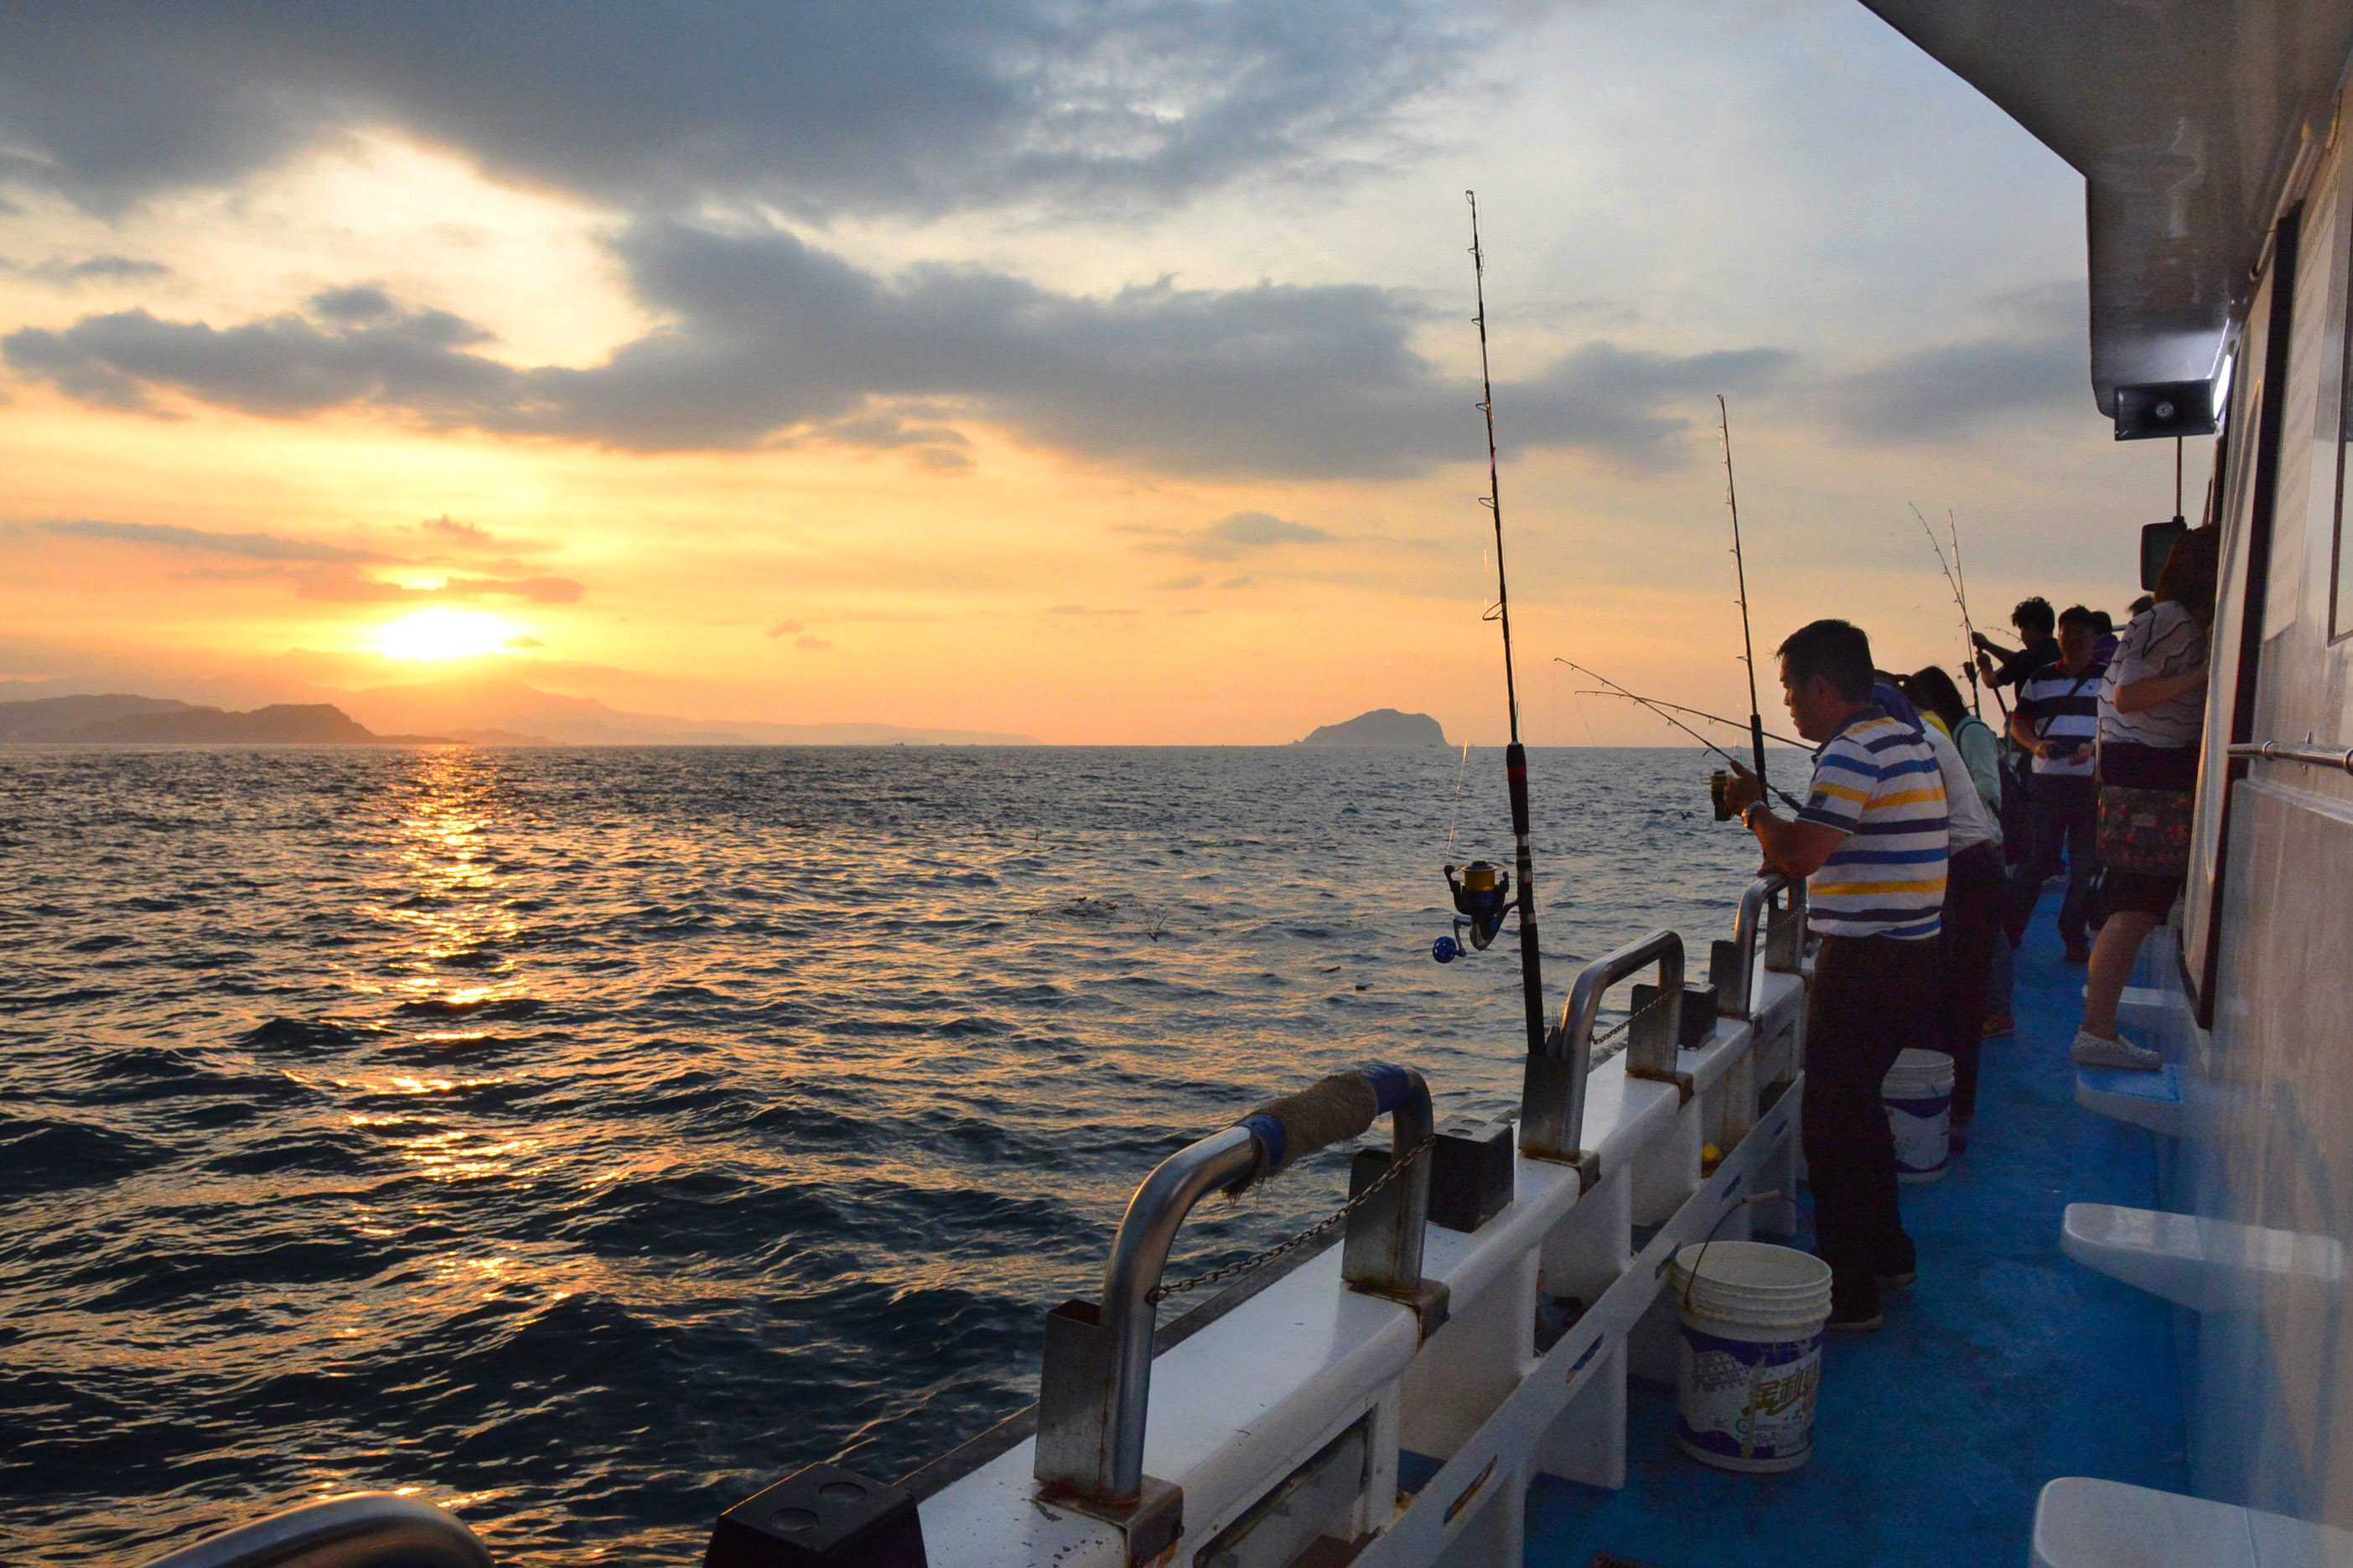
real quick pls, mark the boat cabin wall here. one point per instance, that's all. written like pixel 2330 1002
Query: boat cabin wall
pixel 2267 948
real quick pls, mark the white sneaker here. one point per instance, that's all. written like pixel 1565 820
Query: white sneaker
pixel 2091 1051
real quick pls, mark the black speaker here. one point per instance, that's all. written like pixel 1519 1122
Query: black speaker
pixel 2165 408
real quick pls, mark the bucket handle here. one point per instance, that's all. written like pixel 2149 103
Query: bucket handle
pixel 1691 1278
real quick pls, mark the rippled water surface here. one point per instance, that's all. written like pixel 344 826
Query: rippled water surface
pixel 585 1137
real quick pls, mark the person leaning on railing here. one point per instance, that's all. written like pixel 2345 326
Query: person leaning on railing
pixel 2152 716
pixel 1871 842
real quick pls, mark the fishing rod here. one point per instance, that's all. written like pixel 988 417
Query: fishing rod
pixel 1659 710
pixel 1515 755
pixel 1970 666
pixel 1961 600
pixel 1740 562
pixel 1691 712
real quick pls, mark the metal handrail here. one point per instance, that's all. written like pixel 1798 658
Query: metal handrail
pixel 1096 1384
pixel 2311 756
pixel 362 1530
pixel 1551 1092
pixel 1736 996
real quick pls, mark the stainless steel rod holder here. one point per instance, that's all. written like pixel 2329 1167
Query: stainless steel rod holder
pixel 1552 1090
pixel 1096 1386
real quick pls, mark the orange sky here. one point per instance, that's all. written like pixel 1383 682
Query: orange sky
pixel 983 498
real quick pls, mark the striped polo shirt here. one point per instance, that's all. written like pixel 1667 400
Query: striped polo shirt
pixel 2065 708
pixel 1877 782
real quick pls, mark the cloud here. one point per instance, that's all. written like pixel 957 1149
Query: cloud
pixel 906 106
pixel 170 536
pixel 344 585
pixel 783 629
pixel 523 642
pixel 1189 580
pixel 282 366
pixel 1947 394
pixel 769 341
pixel 812 645
pixel 1229 537
pixel 2033 365
pixel 446 526
pixel 1238 583
pixel 107 269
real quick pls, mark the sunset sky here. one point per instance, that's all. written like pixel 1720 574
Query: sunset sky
pixel 1099 372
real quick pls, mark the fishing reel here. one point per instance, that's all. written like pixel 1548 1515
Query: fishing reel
pixel 1482 894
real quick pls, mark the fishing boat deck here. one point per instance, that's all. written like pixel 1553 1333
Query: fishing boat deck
pixel 2007 1366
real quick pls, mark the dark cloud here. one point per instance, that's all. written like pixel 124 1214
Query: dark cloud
pixel 895 105
pixel 169 536
pixel 90 269
pixel 2030 364
pixel 768 341
pixel 1948 393
pixel 285 365
pixel 783 629
pixel 353 306
pixel 812 644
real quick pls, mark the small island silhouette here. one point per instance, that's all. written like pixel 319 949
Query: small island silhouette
pixel 1381 727
pixel 151 720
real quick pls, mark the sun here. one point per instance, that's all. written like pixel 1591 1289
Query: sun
pixel 443 634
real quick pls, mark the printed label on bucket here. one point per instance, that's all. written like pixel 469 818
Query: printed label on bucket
pixel 1923 1133
pixel 1748 1401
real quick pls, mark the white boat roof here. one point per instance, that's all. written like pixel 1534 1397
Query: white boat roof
pixel 2187 119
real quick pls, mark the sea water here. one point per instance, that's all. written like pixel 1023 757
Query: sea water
pixel 584 1138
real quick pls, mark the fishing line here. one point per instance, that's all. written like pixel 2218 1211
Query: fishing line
pixel 1700 713
pixel 1658 709
pixel 1455 815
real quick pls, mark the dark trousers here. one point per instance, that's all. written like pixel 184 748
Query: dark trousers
pixel 2064 813
pixel 1972 925
pixel 1873 996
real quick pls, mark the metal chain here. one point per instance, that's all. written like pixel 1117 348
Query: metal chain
pixel 1621 1026
pixel 1284 1249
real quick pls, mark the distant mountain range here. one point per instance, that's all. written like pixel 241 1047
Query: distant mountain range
pixel 1382 727
pixel 481 710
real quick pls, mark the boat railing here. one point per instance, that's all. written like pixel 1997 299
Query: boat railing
pixel 364 1530
pixel 1096 1387
pixel 1553 1088
pixel 1781 926
pixel 2311 756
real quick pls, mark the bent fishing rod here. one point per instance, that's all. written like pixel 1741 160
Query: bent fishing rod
pixel 1740 563
pixel 1659 710
pixel 1515 755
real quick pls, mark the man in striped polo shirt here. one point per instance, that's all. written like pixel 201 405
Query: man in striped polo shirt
pixel 2057 720
pixel 1871 844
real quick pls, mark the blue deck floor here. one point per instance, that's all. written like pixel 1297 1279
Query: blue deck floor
pixel 2008 1364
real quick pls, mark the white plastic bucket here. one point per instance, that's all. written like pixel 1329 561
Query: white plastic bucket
pixel 1918 1092
pixel 1749 1359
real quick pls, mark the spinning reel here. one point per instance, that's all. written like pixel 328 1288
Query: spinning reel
pixel 1482 895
